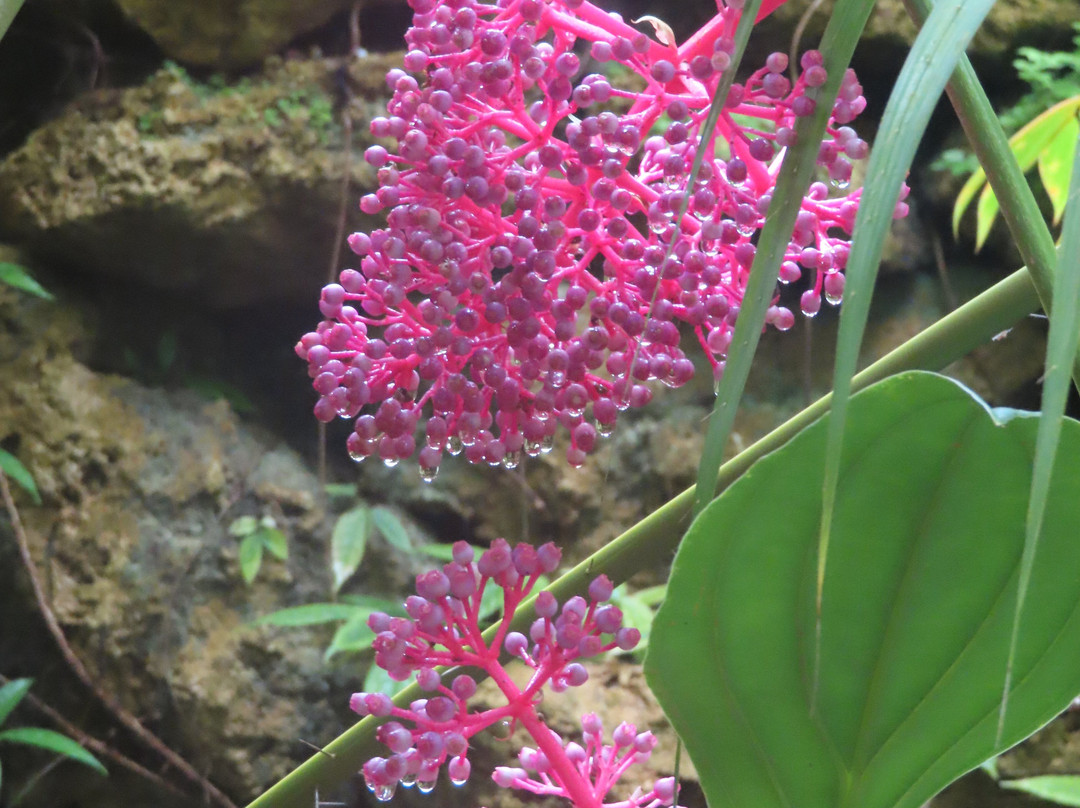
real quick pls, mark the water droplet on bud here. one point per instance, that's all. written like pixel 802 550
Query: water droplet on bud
pixel 425 786
pixel 459 781
pixel 385 793
pixel 511 460
pixel 408 780
pixel 454 445
pixel 547 443
pixel 833 299
pixel 428 475
pixel 356 457
pixel 532 448
pixel 390 462
pixel 605 430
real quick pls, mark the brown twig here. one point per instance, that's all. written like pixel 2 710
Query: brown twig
pixel 796 38
pixel 76 665
pixel 94 745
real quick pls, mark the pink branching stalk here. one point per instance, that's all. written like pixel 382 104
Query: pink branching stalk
pixel 443 630
pixel 535 268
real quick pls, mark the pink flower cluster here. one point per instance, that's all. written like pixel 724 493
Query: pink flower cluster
pixel 542 242
pixel 443 630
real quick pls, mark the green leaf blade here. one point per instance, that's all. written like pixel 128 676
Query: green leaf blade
pixel 348 543
pixel 52 742
pixel 13 468
pixel 251 551
pixel 919 596
pixel 17 277
pixel 1064 789
pixel 391 528
pixel 309 614
pixel 1056 164
pixel 11 694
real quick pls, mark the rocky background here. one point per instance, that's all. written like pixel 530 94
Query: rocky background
pixel 178 174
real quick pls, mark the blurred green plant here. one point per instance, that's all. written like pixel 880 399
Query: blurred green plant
pixel 19 277
pixel 257 535
pixel 13 468
pixel 45 739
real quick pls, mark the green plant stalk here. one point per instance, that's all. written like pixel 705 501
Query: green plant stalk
pixel 8 10
pixel 1061 345
pixel 838 44
pixel 991 146
pixel 650 543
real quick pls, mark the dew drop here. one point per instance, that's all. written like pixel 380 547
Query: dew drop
pixel 390 462
pixel 454 445
pixel 357 457
pixel 833 299
pixel 547 443
pixel 511 460
pixel 385 793
pixel 408 780
pixel 839 185
pixel 811 313
pixel 425 786
pixel 532 448
pixel 745 230
pixel 605 430
pixel 428 475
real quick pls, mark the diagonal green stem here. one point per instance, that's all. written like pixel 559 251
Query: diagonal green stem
pixel 650 543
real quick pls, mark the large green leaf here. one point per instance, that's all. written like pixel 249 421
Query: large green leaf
pixel 917 608
pixel 52 742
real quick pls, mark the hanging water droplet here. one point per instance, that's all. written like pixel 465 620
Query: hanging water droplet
pixel 839 185
pixel 532 448
pixel 459 781
pixel 605 430
pixel 745 229
pixel 810 313
pixel 453 445
pixel 512 460
pixel 390 462
pixel 385 793
pixel 408 780
pixel 356 457
pixel 833 299
pixel 547 443
pixel 428 475
pixel 425 786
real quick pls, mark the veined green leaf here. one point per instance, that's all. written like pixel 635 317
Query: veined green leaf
pixel 391 529
pixel 375 604
pixel 17 277
pixel 11 694
pixel 1064 789
pixel 919 598
pixel 13 468
pixel 348 543
pixel 53 742
pixel 307 615
pixel 251 550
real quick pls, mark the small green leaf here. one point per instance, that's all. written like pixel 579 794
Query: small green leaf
pixel 274 541
pixel 243 526
pixel 354 635
pixel 442 552
pixel 985 214
pixel 1056 163
pixel 343 490
pixel 379 681
pixel 309 614
pixel 348 543
pixel 10 465
pixel 251 549
pixel 11 694
pixel 375 604
pixel 54 742
pixel 387 523
pixel 1063 789
pixel 16 276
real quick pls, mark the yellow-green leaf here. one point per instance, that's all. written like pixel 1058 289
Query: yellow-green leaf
pixel 274 541
pixel 1064 789
pixel 53 742
pixel 1027 146
pixel 986 212
pixel 1056 163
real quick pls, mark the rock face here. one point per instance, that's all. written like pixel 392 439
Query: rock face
pixel 229 194
pixel 227 34
pixel 139 489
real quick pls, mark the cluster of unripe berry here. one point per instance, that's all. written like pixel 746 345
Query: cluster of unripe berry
pixel 442 630
pixel 543 241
